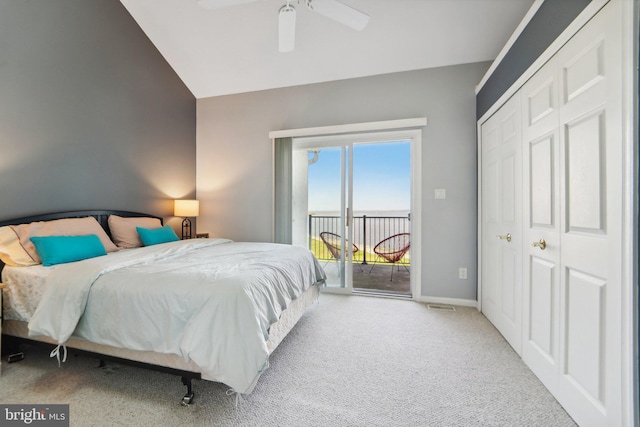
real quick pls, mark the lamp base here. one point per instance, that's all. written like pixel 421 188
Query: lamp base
pixel 186 229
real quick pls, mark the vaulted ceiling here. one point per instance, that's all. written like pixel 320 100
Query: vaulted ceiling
pixel 235 49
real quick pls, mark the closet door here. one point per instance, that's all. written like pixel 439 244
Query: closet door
pixel 502 221
pixel 574 176
pixel 591 228
pixel 541 267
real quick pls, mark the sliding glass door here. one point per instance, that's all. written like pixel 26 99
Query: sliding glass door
pixel 352 208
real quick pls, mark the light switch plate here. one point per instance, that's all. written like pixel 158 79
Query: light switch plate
pixel 440 193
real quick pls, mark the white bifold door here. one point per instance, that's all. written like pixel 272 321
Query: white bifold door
pixel 555 289
pixel 573 167
pixel 502 221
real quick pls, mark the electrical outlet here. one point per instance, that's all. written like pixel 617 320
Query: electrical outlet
pixel 440 193
pixel 462 273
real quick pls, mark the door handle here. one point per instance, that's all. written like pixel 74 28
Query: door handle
pixel 541 244
pixel 506 237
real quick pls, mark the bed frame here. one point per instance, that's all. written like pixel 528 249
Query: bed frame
pixel 16 332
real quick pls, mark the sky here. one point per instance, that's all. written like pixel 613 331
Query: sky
pixel 381 178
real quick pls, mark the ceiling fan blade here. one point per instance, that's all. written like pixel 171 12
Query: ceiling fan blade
pixel 340 12
pixel 220 4
pixel 286 28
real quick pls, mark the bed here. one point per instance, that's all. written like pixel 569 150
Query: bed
pixel 210 309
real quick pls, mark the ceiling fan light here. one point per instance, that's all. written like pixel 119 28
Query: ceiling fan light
pixel 286 28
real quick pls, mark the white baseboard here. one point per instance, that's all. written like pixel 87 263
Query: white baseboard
pixel 450 301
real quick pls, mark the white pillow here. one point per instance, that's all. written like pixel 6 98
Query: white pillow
pixel 61 227
pixel 11 251
pixel 123 230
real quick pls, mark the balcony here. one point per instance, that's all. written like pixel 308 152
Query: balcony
pixel 371 272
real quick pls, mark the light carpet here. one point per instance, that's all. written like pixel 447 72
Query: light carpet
pixel 350 361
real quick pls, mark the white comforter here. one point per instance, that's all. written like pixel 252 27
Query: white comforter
pixel 211 301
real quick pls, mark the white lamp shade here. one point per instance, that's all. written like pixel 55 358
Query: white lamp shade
pixel 185 208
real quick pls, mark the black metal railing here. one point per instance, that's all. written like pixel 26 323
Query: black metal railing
pixel 368 231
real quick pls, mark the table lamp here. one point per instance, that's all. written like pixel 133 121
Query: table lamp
pixel 186 209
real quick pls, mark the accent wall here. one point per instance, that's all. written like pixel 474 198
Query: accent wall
pixel 91 115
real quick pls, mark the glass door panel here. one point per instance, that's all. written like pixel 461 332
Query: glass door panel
pixel 381 217
pixel 327 211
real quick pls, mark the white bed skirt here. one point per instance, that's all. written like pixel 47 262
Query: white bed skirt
pixel 277 332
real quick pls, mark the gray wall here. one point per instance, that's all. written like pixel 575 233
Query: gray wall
pixel 547 24
pixel 91 115
pixel 234 159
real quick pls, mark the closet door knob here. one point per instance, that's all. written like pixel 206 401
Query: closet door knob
pixel 506 237
pixel 541 244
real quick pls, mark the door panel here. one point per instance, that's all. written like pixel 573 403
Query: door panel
pixel 502 216
pixel 508 202
pixel 510 270
pixel 542 300
pixel 585 174
pixel 541 308
pixel 542 182
pixel 541 314
pixel 490 209
pixel 542 101
pixel 325 175
pixel 584 71
pixel 572 285
pixel 590 383
pixel 585 337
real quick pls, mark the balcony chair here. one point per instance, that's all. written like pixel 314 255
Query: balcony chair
pixel 333 241
pixel 392 249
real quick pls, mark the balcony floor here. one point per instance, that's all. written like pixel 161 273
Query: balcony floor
pixel 376 280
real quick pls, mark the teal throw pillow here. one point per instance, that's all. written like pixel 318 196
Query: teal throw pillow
pixel 62 249
pixel 154 236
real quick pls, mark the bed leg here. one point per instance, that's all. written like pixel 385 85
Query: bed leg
pixel 11 348
pixel 102 363
pixel 188 398
pixel 15 357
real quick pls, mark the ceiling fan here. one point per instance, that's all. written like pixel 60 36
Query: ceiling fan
pixel 332 9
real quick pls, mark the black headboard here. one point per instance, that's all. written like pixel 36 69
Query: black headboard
pixel 101 215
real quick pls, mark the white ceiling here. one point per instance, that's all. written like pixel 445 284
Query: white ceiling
pixel 234 50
